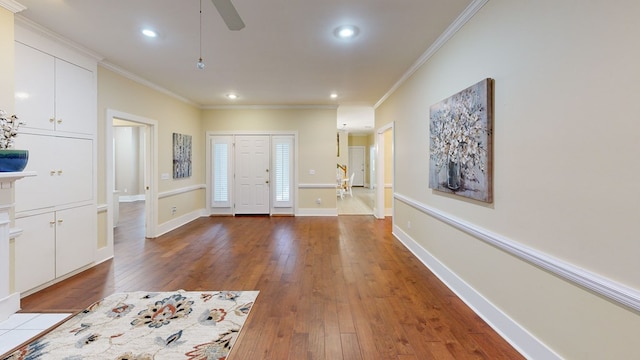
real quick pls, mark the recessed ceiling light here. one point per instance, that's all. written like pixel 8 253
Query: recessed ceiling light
pixel 149 33
pixel 346 31
pixel 232 96
pixel 334 95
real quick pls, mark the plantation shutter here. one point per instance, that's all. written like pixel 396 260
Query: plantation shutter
pixel 221 171
pixel 282 175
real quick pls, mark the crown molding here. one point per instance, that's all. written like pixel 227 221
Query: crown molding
pixel 13 6
pixel 269 107
pixel 41 30
pixel 456 25
pixel 133 77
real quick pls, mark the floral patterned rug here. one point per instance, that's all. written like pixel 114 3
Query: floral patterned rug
pixel 148 325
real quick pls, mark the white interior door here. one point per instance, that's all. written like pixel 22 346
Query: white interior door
pixel 356 164
pixel 252 174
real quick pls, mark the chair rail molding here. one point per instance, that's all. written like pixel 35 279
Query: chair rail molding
pixel 589 280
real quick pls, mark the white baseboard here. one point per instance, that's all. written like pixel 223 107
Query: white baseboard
pixel 131 198
pixel 9 305
pixel 179 221
pixel 528 345
pixel 317 212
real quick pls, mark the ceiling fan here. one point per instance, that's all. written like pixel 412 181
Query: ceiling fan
pixel 229 14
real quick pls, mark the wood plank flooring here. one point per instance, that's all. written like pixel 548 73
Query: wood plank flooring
pixel 330 287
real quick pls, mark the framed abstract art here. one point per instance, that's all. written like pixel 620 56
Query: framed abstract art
pixel 181 156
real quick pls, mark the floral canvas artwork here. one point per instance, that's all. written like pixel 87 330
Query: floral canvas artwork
pixel 460 143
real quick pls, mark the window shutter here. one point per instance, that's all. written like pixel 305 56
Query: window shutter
pixel 221 166
pixel 282 171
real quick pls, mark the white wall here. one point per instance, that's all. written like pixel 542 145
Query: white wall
pixel 128 161
pixel 565 165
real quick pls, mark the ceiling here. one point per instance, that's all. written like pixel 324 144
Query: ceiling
pixel 287 55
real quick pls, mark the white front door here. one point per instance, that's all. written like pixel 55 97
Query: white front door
pixel 252 174
pixel 356 164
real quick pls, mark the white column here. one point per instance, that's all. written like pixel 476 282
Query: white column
pixel 9 302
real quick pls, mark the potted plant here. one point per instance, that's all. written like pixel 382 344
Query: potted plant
pixel 10 159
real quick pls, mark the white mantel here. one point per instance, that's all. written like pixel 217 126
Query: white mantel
pixel 9 303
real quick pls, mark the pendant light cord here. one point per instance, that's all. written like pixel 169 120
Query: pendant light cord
pixel 200 30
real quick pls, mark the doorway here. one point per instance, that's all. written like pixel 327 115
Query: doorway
pixel 384 171
pixel 252 174
pixel 147 137
pixel 357 164
pixel 129 140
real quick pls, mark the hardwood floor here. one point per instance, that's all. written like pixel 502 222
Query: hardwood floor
pixel 330 287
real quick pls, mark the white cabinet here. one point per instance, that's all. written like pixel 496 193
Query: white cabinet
pixel 51 93
pixel 65 171
pixel 53 244
pixel 56 95
pixel 35 251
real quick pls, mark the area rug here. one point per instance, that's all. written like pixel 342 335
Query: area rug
pixel 148 325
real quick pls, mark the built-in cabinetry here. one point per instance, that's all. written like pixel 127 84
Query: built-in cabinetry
pixel 56 210
pixel 51 92
pixel 53 244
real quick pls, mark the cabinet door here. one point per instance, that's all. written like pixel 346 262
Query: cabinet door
pixel 75 98
pixel 74 170
pixel 37 192
pixel 64 168
pixel 35 251
pixel 34 85
pixel 75 238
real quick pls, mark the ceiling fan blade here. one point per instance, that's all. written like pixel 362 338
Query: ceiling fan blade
pixel 229 14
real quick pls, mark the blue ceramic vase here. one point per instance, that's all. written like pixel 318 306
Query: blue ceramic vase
pixel 13 160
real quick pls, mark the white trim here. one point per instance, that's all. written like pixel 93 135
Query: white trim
pixel 12 6
pixel 58 39
pixel 9 305
pixel 269 107
pixel 180 221
pixel 151 177
pixel 608 288
pixel 379 211
pixel 523 341
pixel 317 186
pixel 456 25
pixel 183 190
pixel 131 198
pixel 15 232
pixel 317 212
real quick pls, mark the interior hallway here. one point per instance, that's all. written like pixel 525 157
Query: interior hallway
pixel 361 203
pixel 330 287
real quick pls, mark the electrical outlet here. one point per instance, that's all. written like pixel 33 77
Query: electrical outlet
pixel 174 210
pixel 318 201
pixel 408 224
